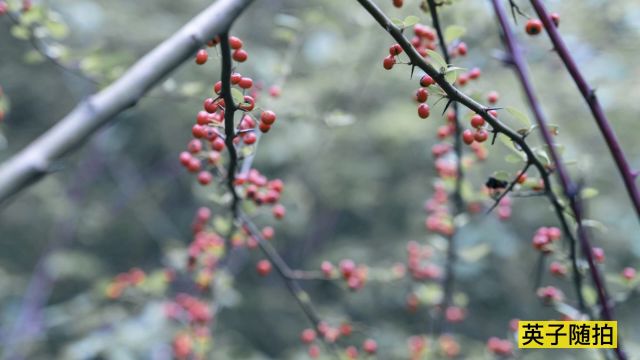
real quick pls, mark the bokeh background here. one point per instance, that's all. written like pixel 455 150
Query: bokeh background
pixel 353 154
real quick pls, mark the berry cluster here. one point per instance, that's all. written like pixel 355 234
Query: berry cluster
pixel 331 334
pixel 534 26
pixel 439 218
pixel 500 347
pixel 122 281
pixel 545 237
pixel 197 315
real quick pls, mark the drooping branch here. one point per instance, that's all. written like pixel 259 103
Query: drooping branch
pixel 589 95
pixel 448 282
pixel 35 161
pixel 570 189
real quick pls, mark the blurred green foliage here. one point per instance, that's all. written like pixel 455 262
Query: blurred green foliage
pixel 354 156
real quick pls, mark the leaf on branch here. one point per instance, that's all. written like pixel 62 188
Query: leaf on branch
pixel 595 224
pixel 542 155
pixel 475 253
pixel 451 75
pixel 519 115
pixel 20 32
pixel 397 22
pixel 588 193
pixel 502 175
pixel 514 159
pixel 410 20
pixel 238 97
pixel 437 60
pixel 453 32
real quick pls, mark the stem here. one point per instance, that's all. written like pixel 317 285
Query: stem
pixel 571 191
pixel 590 97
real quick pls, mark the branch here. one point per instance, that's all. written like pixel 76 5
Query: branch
pixel 449 278
pixel 229 125
pixel 596 109
pixel 35 161
pixel 571 191
pixel 509 188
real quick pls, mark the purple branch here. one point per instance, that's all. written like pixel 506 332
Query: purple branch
pixel 589 96
pixel 571 191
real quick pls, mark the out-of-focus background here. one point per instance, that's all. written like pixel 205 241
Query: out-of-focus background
pixel 355 158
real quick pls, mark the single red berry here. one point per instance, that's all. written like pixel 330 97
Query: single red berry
pixel 370 346
pixel 598 254
pixel 205 177
pixel 202 56
pixel 198 131
pixel 194 165
pixel 202 118
pixel 467 137
pixel 474 73
pixel 279 211
pixel 245 83
pixel 426 80
pixel 462 49
pixel 210 105
pixel 195 146
pixel 481 135
pixel 522 177
pixel 217 87
pixel 235 43
pixel 314 351
pixel 629 273
pixel 463 79
pixel 250 138
pixel 3 7
pixel 533 27
pixel 264 127
pixel 388 62
pixel 351 352
pixel 240 55
pixel 557 269
pixel 263 267
pixel 185 158
pixel 308 336
pixel 493 113
pixel 248 104
pixel 397 3
pixel 327 269
pixel 477 121
pixel 555 17
pixel 268 117
pixel 443 132
pixel 346 329
pixel 347 268
pixel 235 78
pixel 395 50
pixel 268 232
pixel 275 91
pixel 217 144
pixel 421 95
pixel 423 111
pixel 493 97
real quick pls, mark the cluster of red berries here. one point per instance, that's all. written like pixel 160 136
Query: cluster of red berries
pixel 534 26
pixel 355 275
pixel 544 237
pixel 480 134
pixel 438 217
pixel 557 269
pixel 239 54
pixel 262 191
pixel 463 78
pixel 331 335
pixel 425 39
pixel 198 316
pixel 417 347
pixel 418 263
pixel 504 208
pixel 25 6
pixel 122 281
pixel 449 346
pixel 500 347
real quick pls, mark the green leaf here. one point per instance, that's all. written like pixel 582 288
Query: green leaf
pixel 238 97
pixel 595 224
pixel 57 29
pixel 542 154
pixel 410 20
pixel 453 32
pixel 502 175
pixel 437 60
pixel 588 193
pixel 514 159
pixel 475 253
pixel 33 57
pixel 520 116
pixel 20 32
pixel 452 73
pixel 509 144
pixel 397 22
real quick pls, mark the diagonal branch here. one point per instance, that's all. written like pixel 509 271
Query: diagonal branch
pixel 589 95
pixel 35 161
pixel 571 191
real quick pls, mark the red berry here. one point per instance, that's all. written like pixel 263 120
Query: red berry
pixel 346 329
pixel 194 165
pixel 493 97
pixel 245 83
pixel 240 55
pixel 250 138
pixel 370 346
pixel 248 104
pixel 195 146
pixel 347 268
pixel 522 177
pixel 463 79
pixel 205 177
pixel 198 131
pixel 467 137
pixel 202 118
pixel 423 111
pixel 629 273
pixel 210 105
pixel 185 158
pixel 598 254
pixel 388 62
pixel 474 73
pixel 263 267
pixel 268 232
pixel 268 117
pixel 264 127
pixel 327 269
pixel 235 43
pixel 426 80
pixel 201 56
pixel 481 135
pixel 279 211
pixel 395 49
pixel 477 121
pixel 493 113
pixel 3 7
pixel 307 336
pixel 533 27
pixel 462 49
pixel 397 3
pixel 274 91
pixel 557 269
pixel 235 78
pixel 217 144
pixel 217 87
pixel 555 17
pixel 314 351
pixel 421 95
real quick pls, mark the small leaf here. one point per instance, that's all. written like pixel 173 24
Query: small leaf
pixel 397 22
pixel 57 29
pixel 502 175
pixel 518 115
pixel 20 32
pixel 437 60
pixel 588 193
pixel 453 32
pixel 475 253
pixel 595 224
pixel 513 159
pixel 237 96
pixel 542 154
pixel 410 20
